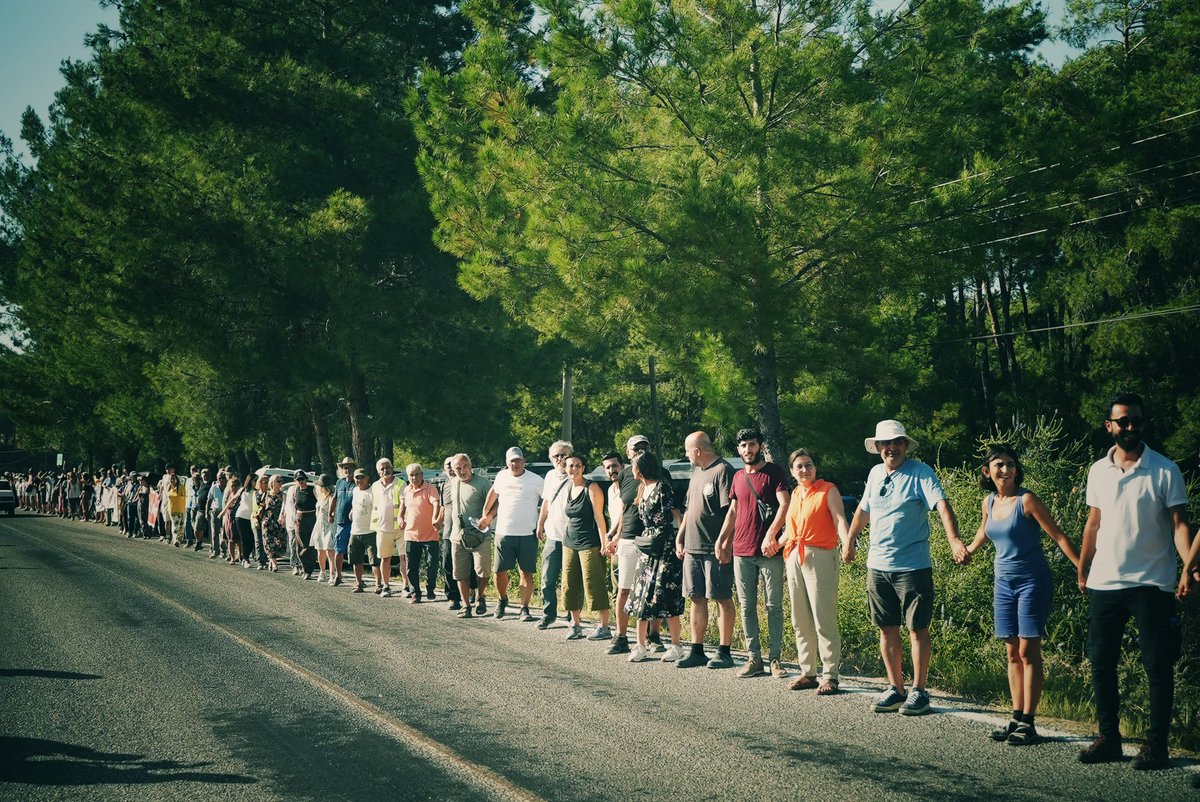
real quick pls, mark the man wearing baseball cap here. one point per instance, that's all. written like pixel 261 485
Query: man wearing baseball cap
pixel 513 504
pixel 342 503
pixel 900 493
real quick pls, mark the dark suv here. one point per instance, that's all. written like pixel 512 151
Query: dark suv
pixel 8 498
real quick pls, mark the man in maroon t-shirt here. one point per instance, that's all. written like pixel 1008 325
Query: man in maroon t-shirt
pixel 756 548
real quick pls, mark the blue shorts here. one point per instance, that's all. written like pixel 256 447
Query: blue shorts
pixel 342 543
pixel 1022 605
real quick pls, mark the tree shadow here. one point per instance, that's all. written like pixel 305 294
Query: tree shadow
pixel 45 673
pixel 36 761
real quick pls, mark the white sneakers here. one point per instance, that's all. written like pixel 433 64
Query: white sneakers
pixel 640 652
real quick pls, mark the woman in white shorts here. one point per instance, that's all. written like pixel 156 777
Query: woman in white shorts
pixel 324 537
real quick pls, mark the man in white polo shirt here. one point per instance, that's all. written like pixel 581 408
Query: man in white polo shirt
pixel 513 504
pixel 1136 525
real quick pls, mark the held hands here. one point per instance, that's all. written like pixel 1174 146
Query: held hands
pixel 679 548
pixel 770 546
pixel 849 550
pixel 962 555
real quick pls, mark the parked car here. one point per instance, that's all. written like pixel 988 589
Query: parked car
pixel 8 498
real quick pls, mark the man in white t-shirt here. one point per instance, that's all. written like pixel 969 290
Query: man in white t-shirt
pixel 1136 525
pixel 552 528
pixel 361 548
pixel 513 504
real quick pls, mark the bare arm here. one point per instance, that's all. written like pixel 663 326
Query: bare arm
pixel 489 505
pixel 1186 549
pixel 1087 550
pixel 837 508
pixel 1037 510
pixel 950 524
pixel 597 509
pixel 724 544
pixel 770 544
pixel 616 511
pixel 543 514
pixel 860 521
pixel 980 536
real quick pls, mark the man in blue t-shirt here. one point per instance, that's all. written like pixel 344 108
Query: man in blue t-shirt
pixel 900 493
pixel 343 498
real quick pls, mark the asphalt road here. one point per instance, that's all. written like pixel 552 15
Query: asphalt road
pixel 129 669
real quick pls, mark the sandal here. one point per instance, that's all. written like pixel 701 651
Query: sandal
pixel 828 688
pixel 1023 735
pixel 802 684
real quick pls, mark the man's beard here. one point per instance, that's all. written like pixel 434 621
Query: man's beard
pixel 757 459
pixel 1128 439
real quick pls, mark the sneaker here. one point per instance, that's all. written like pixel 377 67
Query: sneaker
pixel 481 607
pixel 546 621
pixel 637 654
pixel 527 616
pixel 1001 734
pixel 889 701
pixel 430 596
pixel 671 653
pixel 693 660
pixel 501 606
pixel 385 593
pixel 261 567
pixel 917 703
pixel 1024 735
pixel 320 574
pixel 1101 750
pixel 620 645
pixel 1151 757
pixel 601 633
pixel 777 669
pixel 753 668
pixel 575 632
pixel 655 647
pixel 455 605
pixel 721 660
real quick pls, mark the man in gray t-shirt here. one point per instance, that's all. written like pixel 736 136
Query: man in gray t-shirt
pixel 707 554
pixel 467 493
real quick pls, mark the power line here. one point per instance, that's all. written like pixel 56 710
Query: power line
pixel 1119 319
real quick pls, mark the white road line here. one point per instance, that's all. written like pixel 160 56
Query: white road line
pixel 487 781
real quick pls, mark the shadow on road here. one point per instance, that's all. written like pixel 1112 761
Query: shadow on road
pixel 45 673
pixel 35 761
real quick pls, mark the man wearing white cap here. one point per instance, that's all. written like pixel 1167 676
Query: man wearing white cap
pixel 900 493
pixel 513 504
pixel 552 528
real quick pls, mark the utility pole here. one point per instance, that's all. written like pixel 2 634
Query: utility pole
pixel 654 410
pixel 567 401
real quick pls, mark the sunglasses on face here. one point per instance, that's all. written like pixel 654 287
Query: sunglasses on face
pixel 1129 421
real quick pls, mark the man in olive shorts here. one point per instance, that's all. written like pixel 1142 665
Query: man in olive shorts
pixel 899 495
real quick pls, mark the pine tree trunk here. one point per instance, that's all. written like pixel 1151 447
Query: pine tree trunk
pixel 321 435
pixel 766 390
pixel 357 410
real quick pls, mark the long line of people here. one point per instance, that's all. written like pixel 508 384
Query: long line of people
pixel 735 530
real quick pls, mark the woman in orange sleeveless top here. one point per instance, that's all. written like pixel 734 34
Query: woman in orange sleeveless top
pixel 816 519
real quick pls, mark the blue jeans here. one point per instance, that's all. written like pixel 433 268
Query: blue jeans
pixel 552 552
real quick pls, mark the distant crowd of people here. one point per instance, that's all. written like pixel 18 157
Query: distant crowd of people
pixel 734 531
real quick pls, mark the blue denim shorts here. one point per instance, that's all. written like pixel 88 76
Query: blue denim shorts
pixel 1022 605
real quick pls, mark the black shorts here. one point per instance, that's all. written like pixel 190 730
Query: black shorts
pixel 901 597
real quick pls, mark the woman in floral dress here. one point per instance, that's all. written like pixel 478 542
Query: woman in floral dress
pixel 273 533
pixel 658 586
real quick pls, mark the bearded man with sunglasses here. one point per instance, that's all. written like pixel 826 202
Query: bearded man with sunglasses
pixel 1137 523
pixel 899 496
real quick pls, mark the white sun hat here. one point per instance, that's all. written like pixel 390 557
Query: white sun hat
pixel 888 430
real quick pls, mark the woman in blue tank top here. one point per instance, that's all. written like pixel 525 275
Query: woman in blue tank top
pixel 1013 519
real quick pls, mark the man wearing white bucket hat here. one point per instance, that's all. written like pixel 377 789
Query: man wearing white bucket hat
pixel 900 493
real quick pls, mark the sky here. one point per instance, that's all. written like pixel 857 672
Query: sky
pixel 37 35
